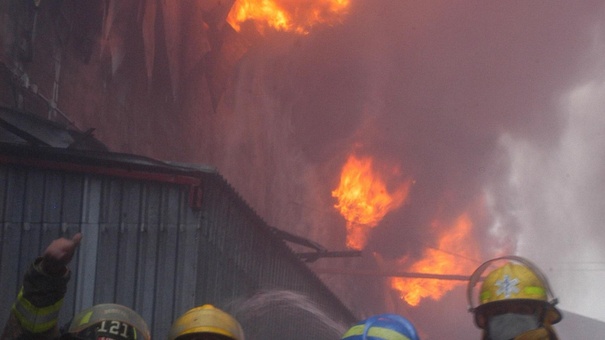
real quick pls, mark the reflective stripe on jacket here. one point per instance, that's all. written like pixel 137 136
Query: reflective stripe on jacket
pixel 36 319
pixel 35 313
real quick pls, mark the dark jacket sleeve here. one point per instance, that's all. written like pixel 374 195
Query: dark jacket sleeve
pixel 35 311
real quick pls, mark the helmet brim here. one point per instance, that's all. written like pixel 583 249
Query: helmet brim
pixel 551 315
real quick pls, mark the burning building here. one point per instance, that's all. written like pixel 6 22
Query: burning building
pixel 160 80
pixel 322 113
pixel 78 73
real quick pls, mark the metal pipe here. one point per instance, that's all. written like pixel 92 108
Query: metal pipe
pixel 414 275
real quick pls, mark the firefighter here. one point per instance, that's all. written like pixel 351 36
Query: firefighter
pixel 206 323
pixel 382 327
pixel 515 301
pixel 35 312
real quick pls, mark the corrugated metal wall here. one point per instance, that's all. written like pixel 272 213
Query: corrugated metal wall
pixel 145 247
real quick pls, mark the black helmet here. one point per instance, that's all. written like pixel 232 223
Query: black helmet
pixel 108 321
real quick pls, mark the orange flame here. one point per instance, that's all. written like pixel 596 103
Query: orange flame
pixel 363 199
pixel 287 15
pixel 439 261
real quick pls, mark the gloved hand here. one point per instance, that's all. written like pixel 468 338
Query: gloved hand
pixel 58 254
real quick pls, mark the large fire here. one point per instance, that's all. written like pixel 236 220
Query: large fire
pixel 363 199
pixel 452 255
pixel 287 15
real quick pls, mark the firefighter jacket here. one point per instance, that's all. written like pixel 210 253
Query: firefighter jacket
pixel 35 312
pixel 545 332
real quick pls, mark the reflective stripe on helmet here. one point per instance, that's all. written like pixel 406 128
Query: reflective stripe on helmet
pixel 36 319
pixel 378 332
pixel 535 291
pixel 84 320
pixel 530 290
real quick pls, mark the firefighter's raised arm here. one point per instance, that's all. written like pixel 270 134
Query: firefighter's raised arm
pixel 35 313
pixel 58 255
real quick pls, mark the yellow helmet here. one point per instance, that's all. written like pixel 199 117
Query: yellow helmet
pixel 512 281
pixel 510 285
pixel 206 319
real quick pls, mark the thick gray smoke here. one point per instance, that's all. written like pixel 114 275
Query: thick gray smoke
pixel 472 100
pixel 432 88
pixel 494 109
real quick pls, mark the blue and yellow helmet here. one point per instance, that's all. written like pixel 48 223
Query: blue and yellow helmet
pixel 382 327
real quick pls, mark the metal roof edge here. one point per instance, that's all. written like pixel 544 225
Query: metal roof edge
pixel 102 162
